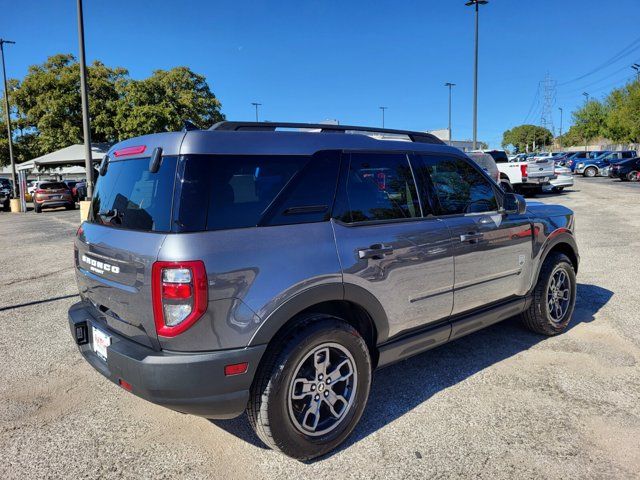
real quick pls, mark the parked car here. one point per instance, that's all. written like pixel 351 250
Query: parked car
pixel 564 179
pixel 80 190
pixel 52 195
pixel 248 268
pixel 71 185
pixel 626 170
pixel 524 176
pixel 576 157
pixel 5 198
pixel 599 164
pixel 488 164
pixel 35 185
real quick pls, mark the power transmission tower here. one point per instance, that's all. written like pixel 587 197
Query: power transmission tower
pixel 548 91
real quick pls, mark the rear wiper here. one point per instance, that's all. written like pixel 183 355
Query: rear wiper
pixel 109 215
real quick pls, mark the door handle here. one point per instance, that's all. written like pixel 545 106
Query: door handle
pixel 376 251
pixel 471 237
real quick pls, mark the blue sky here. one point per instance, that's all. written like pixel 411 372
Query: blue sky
pixel 315 60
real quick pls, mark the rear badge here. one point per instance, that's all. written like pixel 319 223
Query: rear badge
pixel 99 267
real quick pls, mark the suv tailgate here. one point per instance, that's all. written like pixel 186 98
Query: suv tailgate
pixel 113 270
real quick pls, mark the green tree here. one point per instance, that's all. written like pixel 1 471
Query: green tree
pixel 521 136
pixel 163 101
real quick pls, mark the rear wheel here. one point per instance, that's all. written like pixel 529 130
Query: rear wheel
pixel 554 297
pixel 633 176
pixel 311 388
pixel 590 172
pixel 37 208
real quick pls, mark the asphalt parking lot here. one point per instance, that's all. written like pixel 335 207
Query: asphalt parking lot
pixel 501 403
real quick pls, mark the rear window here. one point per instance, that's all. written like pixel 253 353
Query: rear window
pixel 53 186
pixel 223 191
pixel 129 196
pixel 499 156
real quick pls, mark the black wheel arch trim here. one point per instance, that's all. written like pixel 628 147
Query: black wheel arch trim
pixel 318 294
pixel 557 237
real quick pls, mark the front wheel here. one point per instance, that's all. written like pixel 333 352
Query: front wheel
pixel 554 297
pixel 590 172
pixel 633 176
pixel 312 388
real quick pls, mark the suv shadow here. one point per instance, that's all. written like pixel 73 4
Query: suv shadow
pixel 424 375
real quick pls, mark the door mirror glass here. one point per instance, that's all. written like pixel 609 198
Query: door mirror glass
pixel 513 203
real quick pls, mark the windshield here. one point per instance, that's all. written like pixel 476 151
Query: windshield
pixel 53 186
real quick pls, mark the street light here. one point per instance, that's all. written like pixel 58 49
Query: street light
pixel 448 84
pixel 256 104
pixel 477 4
pixel 383 109
pixel 636 67
pixel 586 101
pixel 6 111
pixel 86 125
pixel 560 108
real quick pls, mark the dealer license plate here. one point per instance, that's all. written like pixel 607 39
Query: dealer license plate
pixel 100 343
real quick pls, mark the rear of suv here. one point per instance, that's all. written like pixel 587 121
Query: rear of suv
pixel 270 268
pixel 52 195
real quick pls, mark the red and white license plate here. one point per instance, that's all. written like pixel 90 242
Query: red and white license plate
pixel 100 343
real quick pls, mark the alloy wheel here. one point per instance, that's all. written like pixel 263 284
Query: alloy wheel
pixel 559 295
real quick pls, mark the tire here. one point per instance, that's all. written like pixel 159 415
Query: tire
pixel 559 189
pixel 37 208
pixel 289 424
pixel 590 172
pixel 539 317
pixel 633 176
pixel 70 206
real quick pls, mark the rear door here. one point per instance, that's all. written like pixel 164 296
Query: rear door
pixel 390 244
pixel 492 250
pixel 115 249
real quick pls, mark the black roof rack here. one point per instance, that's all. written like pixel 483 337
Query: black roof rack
pixel 420 137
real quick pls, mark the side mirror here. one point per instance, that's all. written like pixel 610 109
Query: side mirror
pixel 154 162
pixel 103 165
pixel 513 203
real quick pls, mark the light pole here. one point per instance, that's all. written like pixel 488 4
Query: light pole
pixel 86 125
pixel 6 111
pixel 383 109
pixel 256 104
pixel 477 4
pixel 636 67
pixel 560 137
pixel 448 84
pixel 586 102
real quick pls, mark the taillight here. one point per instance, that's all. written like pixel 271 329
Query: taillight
pixel 179 292
pixel 523 170
pixel 138 149
pixel 41 191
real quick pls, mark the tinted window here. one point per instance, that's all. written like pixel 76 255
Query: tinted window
pixel 499 156
pixel 222 192
pixel 130 197
pixel 309 196
pixel 378 187
pixel 459 187
pixel 53 186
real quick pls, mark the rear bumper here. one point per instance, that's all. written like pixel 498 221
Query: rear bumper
pixel 192 383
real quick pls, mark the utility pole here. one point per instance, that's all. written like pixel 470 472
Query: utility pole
pixel 256 104
pixel 477 4
pixel 448 84
pixel 6 111
pixel 636 67
pixel 383 109
pixel 86 125
pixel 586 102
pixel 560 136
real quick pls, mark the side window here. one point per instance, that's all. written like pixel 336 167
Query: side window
pixel 459 187
pixel 377 187
pixel 310 195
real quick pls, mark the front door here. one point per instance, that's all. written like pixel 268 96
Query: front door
pixel 389 244
pixel 492 250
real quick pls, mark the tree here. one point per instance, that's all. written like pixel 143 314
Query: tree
pixel 164 101
pixel 525 135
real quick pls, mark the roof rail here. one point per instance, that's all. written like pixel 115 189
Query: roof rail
pixel 419 137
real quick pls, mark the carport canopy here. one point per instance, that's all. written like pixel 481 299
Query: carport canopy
pixel 71 155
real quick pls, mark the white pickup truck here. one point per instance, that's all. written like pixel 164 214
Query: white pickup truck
pixel 527 176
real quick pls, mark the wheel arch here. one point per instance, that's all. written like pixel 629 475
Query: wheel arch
pixel 352 303
pixel 560 241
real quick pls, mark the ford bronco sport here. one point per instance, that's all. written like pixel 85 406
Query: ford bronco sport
pixel 270 268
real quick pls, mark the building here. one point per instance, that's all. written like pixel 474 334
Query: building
pixel 464 145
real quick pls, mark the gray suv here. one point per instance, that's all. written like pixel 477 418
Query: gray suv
pixel 270 268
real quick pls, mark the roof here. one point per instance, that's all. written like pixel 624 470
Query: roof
pixel 71 155
pixel 263 139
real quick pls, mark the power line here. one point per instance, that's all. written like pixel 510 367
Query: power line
pixel 632 47
pixel 533 103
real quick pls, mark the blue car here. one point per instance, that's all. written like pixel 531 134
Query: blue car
pixel 599 165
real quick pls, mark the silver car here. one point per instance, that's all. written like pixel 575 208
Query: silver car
pixel 564 179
